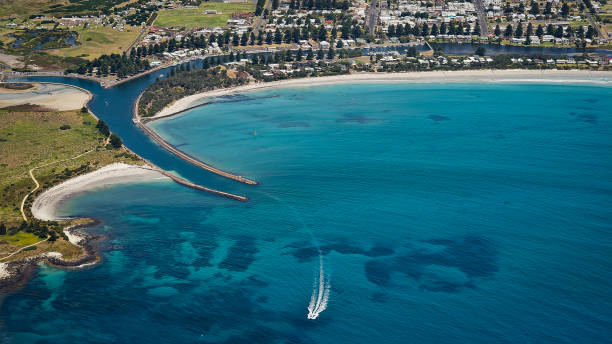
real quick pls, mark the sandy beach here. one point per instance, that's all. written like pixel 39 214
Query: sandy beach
pixel 52 96
pixel 45 205
pixel 548 76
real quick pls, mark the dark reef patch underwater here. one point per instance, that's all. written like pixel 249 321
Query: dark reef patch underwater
pixel 427 218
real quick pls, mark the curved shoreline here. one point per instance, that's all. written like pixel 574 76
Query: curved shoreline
pixel 155 137
pixel 84 103
pixel 462 76
pixel 46 204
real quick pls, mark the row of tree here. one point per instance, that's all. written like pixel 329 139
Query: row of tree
pixel 535 10
pixel 318 5
pixel 557 31
pixel 121 65
pixel 348 29
pixel 459 28
pixel 453 28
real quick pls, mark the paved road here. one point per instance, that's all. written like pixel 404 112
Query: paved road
pixel 372 16
pixel 482 17
pixel 259 21
pixel 595 26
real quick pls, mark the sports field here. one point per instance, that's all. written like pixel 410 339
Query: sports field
pixel 195 17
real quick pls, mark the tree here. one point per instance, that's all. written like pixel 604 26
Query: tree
pixel 559 32
pixel 529 31
pixel 519 31
pixel 565 9
pixel 590 32
pixel 580 33
pixel 278 36
pixel 412 52
pixel 275 4
pixel 103 128
pixel 480 51
pixel 434 30
pixel 425 30
pixel 84 109
pixel 2 229
pixel 115 141
pixel 476 31
pixel 299 55
pixel 320 54
pixel 509 31
pixel 534 9
pixel 331 53
pixel 540 31
pixel 322 33
pixel 497 31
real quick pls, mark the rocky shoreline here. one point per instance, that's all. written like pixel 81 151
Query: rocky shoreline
pixel 13 275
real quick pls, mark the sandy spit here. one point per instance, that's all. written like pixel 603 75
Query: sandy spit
pixel 53 96
pixel 519 75
pixel 46 204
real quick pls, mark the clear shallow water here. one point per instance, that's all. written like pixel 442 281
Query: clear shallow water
pixel 446 213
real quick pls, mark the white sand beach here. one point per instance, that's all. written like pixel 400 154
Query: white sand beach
pixel 51 96
pixel 520 75
pixel 45 205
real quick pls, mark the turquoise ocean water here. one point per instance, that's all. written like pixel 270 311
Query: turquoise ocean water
pixel 437 213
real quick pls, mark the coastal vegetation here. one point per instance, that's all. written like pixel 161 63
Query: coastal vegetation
pixel 120 65
pixel 53 146
pixel 184 83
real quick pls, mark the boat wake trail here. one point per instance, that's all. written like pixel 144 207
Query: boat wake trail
pixel 320 293
pixel 321 285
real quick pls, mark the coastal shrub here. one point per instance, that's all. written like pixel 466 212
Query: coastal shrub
pixel 31 248
pixel 84 109
pixel 103 128
pixel 184 83
pixel 115 141
pixel 65 127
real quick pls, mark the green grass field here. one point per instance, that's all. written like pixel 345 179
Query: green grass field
pixel 30 139
pixel 21 239
pixel 96 41
pixel 194 17
pixel 13 8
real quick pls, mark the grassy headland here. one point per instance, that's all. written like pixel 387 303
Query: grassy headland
pixel 44 143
